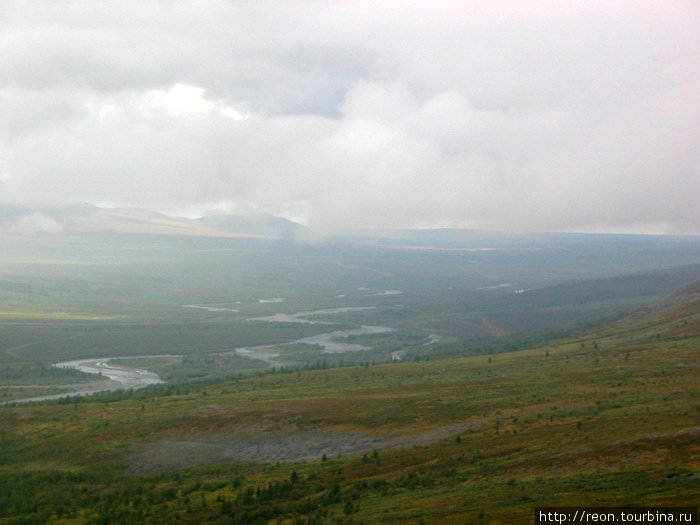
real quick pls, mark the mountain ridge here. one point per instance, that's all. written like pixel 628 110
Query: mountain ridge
pixel 87 218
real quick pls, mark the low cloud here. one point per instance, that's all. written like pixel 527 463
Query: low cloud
pixel 555 117
pixel 35 222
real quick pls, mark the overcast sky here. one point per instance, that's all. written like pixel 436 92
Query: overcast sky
pixel 538 115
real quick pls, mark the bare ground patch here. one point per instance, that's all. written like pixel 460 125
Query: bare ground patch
pixel 250 446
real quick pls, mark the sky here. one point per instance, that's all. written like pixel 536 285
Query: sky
pixel 508 115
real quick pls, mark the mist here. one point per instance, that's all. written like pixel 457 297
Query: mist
pixel 559 117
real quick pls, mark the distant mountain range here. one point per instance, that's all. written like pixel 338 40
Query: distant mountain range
pixel 89 218
pixel 539 246
pixel 253 223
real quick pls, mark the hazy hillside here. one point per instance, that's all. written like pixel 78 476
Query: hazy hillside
pixel 82 218
pixel 608 419
pixel 254 223
pixel 677 315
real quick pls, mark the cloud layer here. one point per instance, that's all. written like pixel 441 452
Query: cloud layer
pixel 548 115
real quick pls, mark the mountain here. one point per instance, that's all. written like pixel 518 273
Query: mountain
pixel 252 223
pixel 88 218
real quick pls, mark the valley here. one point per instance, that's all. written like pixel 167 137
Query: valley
pixel 349 263
pixel 249 382
pixel 604 419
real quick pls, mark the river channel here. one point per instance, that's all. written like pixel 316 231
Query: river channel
pixel 124 377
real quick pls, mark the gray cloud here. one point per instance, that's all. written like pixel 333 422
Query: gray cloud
pixel 559 116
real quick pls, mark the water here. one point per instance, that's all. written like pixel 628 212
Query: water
pixel 334 347
pixel 300 317
pixel 385 292
pixel 127 377
pixel 123 377
pixel 326 340
pixel 210 308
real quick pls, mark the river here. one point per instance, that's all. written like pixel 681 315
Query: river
pixel 122 378
pixel 125 377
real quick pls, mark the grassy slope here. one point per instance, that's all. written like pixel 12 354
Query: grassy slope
pixel 611 419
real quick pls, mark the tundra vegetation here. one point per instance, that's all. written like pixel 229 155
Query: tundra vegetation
pixel 553 396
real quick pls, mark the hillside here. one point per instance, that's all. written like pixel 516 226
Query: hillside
pixel 254 223
pixel 611 418
pixel 86 218
pixel 677 315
